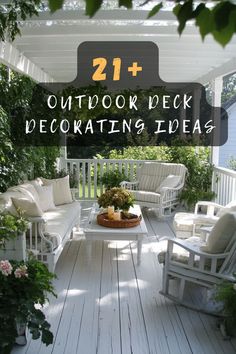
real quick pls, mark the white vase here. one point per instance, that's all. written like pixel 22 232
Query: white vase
pixel 15 249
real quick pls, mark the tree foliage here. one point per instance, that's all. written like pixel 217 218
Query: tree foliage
pixel 19 163
pixel 217 18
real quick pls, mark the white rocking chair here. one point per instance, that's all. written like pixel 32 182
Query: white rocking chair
pixel 203 263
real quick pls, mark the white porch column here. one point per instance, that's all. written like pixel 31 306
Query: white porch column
pixel 196 103
pixel 62 159
pixel 197 93
pixel 182 118
pixel 217 86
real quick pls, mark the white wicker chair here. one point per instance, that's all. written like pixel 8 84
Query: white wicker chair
pixel 150 176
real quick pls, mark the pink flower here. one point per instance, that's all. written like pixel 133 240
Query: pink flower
pixel 5 268
pixel 21 272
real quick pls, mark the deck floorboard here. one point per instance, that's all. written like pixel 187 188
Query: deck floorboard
pixel 109 305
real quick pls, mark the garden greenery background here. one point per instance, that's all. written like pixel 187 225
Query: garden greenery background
pixel 19 163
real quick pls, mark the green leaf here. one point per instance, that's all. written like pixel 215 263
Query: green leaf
pixel 47 337
pixel 155 10
pixel 221 14
pixel 204 22
pixel 55 5
pixel 224 35
pixel 184 13
pixel 127 3
pixel 92 6
pixel 176 10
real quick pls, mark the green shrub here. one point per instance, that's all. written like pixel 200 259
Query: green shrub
pixel 112 179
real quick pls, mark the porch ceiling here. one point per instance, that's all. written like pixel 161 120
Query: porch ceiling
pixel 51 41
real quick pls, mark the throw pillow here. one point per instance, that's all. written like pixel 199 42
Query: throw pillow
pixel 61 189
pixel 221 234
pixel 28 190
pixel 46 197
pixel 29 208
pixel 170 181
pixel 230 207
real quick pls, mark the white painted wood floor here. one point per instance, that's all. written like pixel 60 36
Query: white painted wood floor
pixel 112 306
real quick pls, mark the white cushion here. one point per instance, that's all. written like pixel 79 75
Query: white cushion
pixel 6 203
pixel 185 221
pixel 28 190
pixel 46 197
pixel 230 207
pixel 59 221
pixel 29 208
pixel 182 255
pixel 221 234
pixel 149 183
pixel 170 181
pixel 144 196
pixel 61 189
pixel 36 182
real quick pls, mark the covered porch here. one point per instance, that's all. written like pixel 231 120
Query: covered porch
pixel 111 305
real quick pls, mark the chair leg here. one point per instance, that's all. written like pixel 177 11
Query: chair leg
pixel 181 289
pixel 165 282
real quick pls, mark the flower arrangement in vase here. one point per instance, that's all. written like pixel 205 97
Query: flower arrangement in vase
pixel 118 197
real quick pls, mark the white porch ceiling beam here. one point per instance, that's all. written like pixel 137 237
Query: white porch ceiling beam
pixel 224 69
pixel 95 28
pixel 184 42
pixel 116 14
pixel 13 58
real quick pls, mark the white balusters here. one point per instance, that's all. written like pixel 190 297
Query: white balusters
pixel 224 185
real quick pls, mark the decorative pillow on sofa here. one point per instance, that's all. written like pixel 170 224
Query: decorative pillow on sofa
pixel 28 190
pixel 221 234
pixel 46 197
pixel 170 181
pixel 61 189
pixel 29 208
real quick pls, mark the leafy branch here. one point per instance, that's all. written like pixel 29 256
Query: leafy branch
pixel 218 20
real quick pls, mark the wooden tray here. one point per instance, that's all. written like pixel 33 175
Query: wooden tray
pixel 133 220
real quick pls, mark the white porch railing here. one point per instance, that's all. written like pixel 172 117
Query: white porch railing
pixel 224 185
pixel 90 171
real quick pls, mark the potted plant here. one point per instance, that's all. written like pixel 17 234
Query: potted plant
pixel 12 235
pixel 226 294
pixel 112 179
pixel 22 286
pixel 119 197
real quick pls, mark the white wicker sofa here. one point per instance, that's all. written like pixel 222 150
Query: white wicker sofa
pixel 52 225
pixel 158 185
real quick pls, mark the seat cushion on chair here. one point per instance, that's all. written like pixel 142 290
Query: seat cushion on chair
pixel 221 234
pixel 144 196
pixel 180 254
pixel 59 221
pixel 185 221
